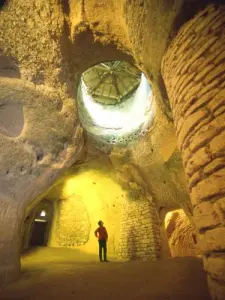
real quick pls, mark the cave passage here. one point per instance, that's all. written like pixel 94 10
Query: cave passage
pixel 38 234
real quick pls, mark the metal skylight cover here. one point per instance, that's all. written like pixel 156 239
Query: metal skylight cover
pixel 111 82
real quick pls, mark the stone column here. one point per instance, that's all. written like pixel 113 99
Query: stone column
pixel 140 232
pixel 193 69
pixel 10 225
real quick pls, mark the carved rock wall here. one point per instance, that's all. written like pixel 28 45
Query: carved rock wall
pixel 159 163
pixel 38 139
pixel 181 234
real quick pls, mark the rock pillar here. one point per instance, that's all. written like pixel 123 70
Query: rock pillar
pixel 193 69
pixel 139 236
pixel 10 224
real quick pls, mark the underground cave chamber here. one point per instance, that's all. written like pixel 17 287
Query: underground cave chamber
pixel 116 109
pixel 156 170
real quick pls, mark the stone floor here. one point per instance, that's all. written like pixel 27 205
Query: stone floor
pixel 51 273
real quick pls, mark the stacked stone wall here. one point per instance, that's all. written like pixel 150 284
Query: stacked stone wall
pixel 194 74
pixel 140 232
pixel 73 224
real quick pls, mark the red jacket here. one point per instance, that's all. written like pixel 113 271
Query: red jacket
pixel 101 233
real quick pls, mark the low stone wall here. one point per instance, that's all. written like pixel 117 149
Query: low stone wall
pixel 140 233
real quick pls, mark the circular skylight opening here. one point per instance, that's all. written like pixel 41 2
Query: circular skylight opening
pixel 111 82
pixel 114 102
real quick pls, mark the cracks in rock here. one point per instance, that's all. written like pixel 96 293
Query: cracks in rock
pixel 84 18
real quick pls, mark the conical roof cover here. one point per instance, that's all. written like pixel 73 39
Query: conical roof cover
pixel 111 82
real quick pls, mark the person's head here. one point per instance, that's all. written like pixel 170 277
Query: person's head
pixel 100 223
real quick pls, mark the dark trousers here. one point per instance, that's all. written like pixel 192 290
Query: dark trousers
pixel 102 246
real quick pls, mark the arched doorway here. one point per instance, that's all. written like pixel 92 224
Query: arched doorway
pixel 37 225
pixel 39 229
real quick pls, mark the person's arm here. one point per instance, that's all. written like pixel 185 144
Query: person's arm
pixel 96 232
pixel 106 234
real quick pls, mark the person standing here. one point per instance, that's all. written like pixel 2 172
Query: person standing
pixel 102 235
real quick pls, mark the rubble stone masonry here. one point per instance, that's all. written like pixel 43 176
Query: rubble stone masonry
pixel 140 232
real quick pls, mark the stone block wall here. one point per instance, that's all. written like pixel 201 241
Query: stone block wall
pixel 194 73
pixel 73 224
pixel 140 233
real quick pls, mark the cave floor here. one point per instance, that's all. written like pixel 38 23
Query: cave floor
pixel 59 273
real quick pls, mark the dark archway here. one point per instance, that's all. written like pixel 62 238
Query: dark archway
pixel 37 225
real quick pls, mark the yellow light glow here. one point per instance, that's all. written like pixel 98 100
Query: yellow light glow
pixel 101 196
